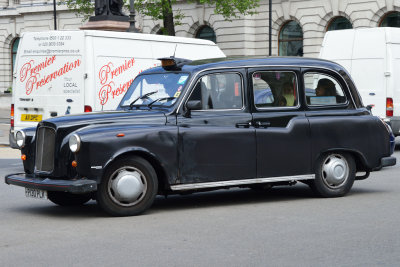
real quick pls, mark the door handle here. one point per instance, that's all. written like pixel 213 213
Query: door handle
pixel 263 124
pixel 243 125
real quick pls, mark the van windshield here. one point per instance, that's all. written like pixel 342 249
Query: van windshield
pixel 155 89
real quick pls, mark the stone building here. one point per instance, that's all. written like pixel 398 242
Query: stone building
pixel 298 26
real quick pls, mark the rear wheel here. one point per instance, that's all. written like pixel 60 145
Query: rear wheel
pixel 68 199
pixel 334 175
pixel 128 187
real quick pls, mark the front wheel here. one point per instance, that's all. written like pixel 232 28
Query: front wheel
pixel 129 187
pixel 334 175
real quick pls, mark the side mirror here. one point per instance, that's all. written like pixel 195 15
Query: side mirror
pixel 191 105
pixel 369 108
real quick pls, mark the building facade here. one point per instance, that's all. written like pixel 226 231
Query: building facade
pixel 297 28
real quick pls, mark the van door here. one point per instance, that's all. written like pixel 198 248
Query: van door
pixel 49 76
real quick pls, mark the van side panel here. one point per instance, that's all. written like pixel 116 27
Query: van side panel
pixel 116 64
pixel 116 67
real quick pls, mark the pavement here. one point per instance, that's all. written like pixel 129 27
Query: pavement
pixel 4 125
pixel 7 152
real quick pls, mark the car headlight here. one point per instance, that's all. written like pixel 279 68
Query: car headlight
pixel 74 143
pixel 20 139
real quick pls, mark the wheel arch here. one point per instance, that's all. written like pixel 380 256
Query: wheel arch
pixel 359 158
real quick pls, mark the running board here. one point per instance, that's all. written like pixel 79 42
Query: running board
pixel 182 187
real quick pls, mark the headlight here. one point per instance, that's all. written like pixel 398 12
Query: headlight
pixel 74 143
pixel 20 139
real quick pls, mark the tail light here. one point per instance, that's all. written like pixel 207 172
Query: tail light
pixel 389 107
pixel 12 116
pixel 88 109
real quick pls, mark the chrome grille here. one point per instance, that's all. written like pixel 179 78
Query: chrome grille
pixel 45 141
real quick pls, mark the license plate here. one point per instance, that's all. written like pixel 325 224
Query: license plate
pixel 31 117
pixel 35 193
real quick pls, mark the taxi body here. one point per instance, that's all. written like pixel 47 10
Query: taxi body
pixel 193 126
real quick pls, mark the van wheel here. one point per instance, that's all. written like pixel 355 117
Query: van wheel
pixel 68 199
pixel 334 175
pixel 129 187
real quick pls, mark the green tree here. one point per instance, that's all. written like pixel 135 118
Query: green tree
pixel 162 9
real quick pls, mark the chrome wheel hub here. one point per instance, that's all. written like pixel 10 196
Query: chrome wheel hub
pixel 127 186
pixel 335 170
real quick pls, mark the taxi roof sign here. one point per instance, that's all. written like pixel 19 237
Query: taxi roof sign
pixel 172 63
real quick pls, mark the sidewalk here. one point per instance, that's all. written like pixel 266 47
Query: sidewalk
pixel 7 152
pixel 4 125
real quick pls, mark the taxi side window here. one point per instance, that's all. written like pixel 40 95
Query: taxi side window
pixel 274 89
pixel 219 91
pixel 322 89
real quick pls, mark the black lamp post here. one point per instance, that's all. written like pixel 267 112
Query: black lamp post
pixel 55 14
pixel 132 20
pixel 270 27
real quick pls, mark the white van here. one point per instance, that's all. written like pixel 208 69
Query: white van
pixel 66 72
pixel 372 57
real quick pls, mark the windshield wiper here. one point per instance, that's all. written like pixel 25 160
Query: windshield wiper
pixel 141 97
pixel 161 99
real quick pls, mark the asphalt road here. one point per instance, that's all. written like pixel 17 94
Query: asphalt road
pixel 285 226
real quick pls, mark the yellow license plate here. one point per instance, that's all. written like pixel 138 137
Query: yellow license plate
pixel 31 117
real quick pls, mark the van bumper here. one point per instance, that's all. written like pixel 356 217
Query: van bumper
pixel 80 186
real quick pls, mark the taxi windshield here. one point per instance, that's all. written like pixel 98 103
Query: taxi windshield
pixel 155 89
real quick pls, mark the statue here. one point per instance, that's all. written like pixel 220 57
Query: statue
pixel 109 8
pixel 108 17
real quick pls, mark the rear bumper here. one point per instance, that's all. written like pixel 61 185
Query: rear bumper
pixel 388 161
pixel 80 186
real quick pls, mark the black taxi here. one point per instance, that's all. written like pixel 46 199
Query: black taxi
pixel 191 126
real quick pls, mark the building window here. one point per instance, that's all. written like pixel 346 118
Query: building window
pixel 339 23
pixel 206 33
pixel 391 19
pixel 14 49
pixel 291 40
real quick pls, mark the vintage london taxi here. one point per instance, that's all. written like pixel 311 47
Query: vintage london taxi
pixel 192 126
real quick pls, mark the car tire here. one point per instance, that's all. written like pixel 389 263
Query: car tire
pixel 68 199
pixel 129 187
pixel 334 175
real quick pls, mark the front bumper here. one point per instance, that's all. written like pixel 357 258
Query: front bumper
pixel 81 186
